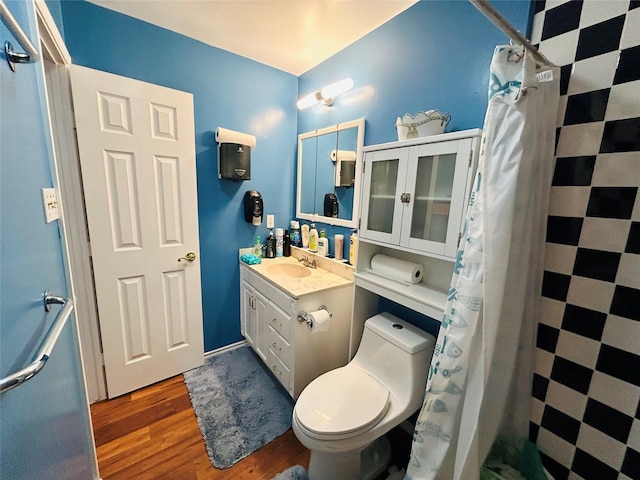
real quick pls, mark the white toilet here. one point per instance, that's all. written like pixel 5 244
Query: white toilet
pixel 345 410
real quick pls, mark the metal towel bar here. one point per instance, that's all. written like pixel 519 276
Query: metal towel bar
pixel 44 351
pixel 16 30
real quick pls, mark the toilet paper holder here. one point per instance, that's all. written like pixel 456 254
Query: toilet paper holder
pixel 306 318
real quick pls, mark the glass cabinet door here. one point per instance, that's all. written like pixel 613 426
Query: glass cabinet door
pixel 384 179
pixel 440 169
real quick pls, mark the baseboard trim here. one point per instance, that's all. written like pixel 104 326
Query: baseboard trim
pixel 226 348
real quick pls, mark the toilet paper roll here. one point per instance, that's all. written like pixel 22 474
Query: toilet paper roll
pixel 397 268
pixel 343 155
pixel 224 135
pixel 320 319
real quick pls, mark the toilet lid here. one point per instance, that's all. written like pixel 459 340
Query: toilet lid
pixel 342 401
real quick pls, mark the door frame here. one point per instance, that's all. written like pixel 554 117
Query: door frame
pixel 73 225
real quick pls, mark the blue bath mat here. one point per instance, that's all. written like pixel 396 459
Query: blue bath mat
pixel 238 405
pixel 293 473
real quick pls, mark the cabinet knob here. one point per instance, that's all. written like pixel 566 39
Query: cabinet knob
pixel 405 197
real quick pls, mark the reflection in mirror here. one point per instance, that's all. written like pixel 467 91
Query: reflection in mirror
pixel 328 160
pixel 345 169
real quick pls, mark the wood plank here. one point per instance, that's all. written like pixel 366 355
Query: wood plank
pixel 153 434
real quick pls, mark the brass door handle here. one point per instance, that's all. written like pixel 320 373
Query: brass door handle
pixel 189 257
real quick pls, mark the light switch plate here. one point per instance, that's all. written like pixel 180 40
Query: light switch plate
pixel 270 221
pixel 50 203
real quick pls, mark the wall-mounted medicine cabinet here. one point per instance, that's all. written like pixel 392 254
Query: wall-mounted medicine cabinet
pixel 329 166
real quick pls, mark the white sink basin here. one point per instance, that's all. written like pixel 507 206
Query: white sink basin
pixel 289 270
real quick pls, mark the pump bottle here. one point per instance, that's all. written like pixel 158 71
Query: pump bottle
pixel 353 246
pixel 313 238
pixel 257 248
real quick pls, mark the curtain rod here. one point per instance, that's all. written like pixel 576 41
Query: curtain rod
pixel 16 30
pixel 492 14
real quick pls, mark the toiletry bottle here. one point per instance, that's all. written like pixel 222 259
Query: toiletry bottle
pixel 271 246
pixel 257 248
pixel 286 244
pixel 305 236
pixel 296 240
pixel 323 245
pixel 353 246
pixel 279 242
pixel 313 238
pixel 338 245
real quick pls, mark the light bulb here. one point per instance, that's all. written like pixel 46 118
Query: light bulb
pixel 334 89
pixel 308 100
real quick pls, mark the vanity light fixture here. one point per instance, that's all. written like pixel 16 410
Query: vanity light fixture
pixel 325 95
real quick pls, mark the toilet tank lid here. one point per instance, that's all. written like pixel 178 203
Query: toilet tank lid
pixel 404 335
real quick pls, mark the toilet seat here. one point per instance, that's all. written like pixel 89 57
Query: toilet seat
pixel 341 403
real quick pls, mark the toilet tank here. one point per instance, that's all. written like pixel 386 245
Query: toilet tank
pixel 398 354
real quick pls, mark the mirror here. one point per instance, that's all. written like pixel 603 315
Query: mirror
pixel 329 166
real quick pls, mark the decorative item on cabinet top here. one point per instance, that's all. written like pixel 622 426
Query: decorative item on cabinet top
pixel 422 124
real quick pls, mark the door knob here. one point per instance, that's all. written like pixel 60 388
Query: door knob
pixel 189 257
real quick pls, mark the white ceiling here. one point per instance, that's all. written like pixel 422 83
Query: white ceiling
pixel 291 35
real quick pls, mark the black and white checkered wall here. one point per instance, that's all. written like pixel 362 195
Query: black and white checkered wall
pixel 586 396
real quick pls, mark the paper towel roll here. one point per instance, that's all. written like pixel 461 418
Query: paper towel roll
pixel 320 319
pixel 397 268
pixel 343 155
pixel 224 135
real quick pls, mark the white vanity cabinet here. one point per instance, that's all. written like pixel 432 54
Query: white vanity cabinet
pixel 294 353
pixel 253 315
pixel 414 197
pixel 415 191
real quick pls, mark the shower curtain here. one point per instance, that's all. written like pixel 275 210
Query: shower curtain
pixel 479 384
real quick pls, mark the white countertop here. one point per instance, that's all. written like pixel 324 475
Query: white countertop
pixel 329 273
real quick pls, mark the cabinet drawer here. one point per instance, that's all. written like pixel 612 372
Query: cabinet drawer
pixel 279 320
pixel 280 346
pixel 279 370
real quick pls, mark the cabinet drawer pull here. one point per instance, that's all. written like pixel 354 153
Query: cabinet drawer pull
pixel 276 347
pixel 275 370
pixel 275 322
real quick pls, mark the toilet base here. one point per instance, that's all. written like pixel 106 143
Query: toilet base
pixel 352 465
pixel 375 458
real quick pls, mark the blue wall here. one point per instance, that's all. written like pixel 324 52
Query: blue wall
pixel 44 424
pixel 229 91
pixel 436 54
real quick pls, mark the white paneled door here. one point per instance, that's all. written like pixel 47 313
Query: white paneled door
pixel 137 152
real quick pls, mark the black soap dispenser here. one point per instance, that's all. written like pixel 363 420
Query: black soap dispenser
pixel 286 246
pixel 271 246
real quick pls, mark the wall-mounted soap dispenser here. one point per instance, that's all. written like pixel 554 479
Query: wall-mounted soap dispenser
pixel 253 207
pixel 331 205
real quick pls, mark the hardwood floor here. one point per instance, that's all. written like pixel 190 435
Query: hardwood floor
pixel 152 434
